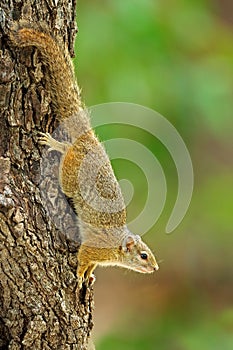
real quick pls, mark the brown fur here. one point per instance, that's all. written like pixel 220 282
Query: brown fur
pixel 61 78
pixel 106 238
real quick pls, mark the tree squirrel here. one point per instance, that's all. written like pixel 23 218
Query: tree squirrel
pixel 86 175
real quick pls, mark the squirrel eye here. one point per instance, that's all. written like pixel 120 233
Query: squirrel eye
pixel 144 256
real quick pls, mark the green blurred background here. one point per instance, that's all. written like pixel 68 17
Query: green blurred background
pixel 174 56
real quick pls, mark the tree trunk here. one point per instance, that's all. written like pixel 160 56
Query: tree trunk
pixel 41 306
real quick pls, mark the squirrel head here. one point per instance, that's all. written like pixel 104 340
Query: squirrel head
pixel 117 246
pixel 136 255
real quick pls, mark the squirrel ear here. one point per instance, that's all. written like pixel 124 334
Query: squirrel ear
pixel 128 243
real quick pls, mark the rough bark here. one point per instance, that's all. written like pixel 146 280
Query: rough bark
pixel 40 305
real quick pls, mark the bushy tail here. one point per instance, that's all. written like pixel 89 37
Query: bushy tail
pixel 60 77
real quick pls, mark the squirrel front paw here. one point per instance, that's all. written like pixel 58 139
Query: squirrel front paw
pixel 89 280
pixel 85 273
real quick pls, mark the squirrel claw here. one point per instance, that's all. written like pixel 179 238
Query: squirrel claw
pixel 46 139
pixel 80 283
pixel 91 279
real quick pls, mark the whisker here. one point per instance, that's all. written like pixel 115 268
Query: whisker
pixel 160 261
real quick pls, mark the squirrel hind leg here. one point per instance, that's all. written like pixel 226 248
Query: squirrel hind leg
pixel 47 140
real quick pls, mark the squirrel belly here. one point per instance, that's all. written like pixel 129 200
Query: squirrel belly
pixel 86 174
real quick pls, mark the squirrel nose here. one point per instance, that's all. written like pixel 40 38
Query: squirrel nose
pixel 156 267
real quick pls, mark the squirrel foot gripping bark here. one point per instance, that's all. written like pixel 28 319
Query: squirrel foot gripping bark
pixel 46 139
pixel 86 174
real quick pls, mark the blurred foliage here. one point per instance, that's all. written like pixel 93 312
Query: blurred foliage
pixel 177 333
pixel 173 56
pixel 176 57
